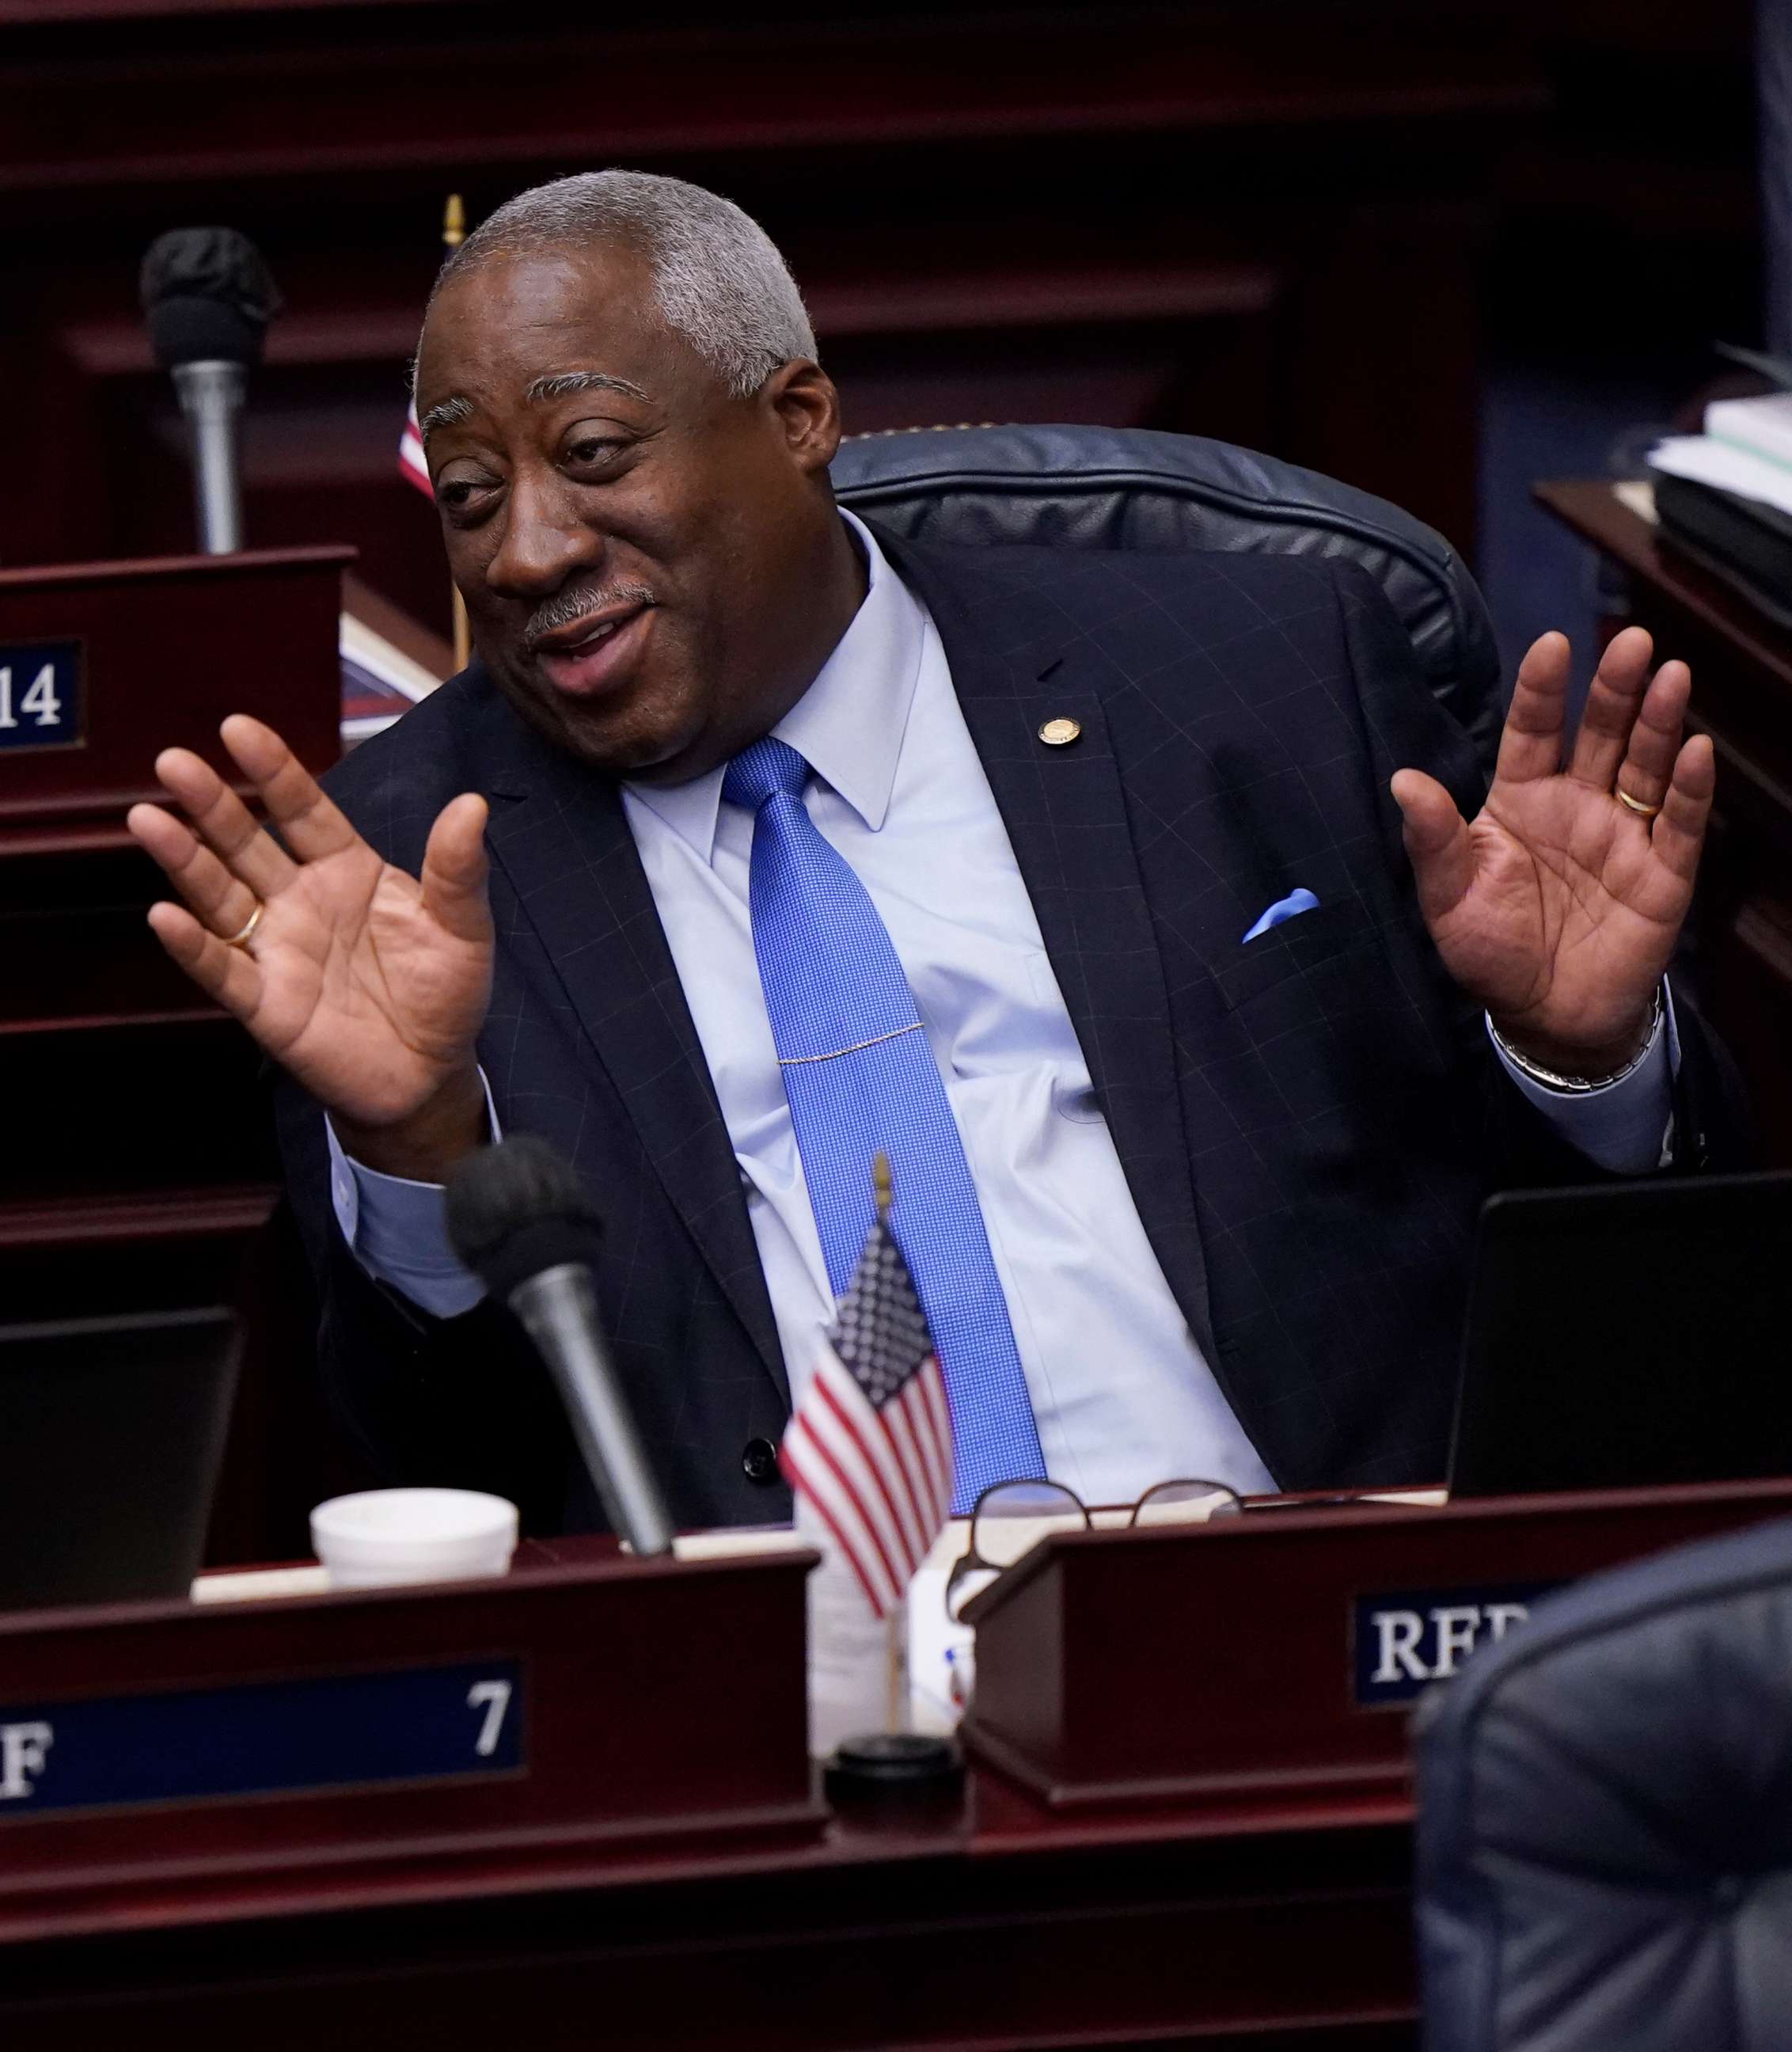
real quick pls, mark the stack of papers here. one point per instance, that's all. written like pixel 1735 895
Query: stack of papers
pixel 1746 449
pixel 1760 427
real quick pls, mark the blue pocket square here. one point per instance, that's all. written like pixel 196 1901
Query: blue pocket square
pixel 1290 907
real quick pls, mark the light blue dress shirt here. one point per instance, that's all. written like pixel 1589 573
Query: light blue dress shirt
pixel 1122 1393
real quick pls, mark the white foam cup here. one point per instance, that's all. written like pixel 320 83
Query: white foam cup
pixel 382 1537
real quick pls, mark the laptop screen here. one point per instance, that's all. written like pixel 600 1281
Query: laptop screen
pixel 113 1430
pixel 1628 1334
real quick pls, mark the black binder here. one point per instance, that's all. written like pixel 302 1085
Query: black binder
pixel 1745 543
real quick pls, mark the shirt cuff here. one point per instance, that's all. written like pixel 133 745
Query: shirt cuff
pixel 1626 1126
pixel 398 1230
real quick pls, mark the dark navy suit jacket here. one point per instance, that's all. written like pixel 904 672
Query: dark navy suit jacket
pixel 1308 1122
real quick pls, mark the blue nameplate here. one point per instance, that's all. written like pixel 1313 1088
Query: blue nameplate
pixel 265 1738
pixel 42 704
pixel 1407 1638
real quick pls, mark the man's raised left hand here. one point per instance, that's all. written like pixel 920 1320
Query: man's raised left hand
pixel 1558 906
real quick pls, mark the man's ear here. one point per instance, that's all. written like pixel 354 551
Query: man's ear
pixel 800 395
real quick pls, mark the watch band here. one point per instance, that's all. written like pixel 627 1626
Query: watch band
pixel 1580 1085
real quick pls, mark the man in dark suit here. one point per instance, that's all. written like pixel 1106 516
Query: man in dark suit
pixel 754 839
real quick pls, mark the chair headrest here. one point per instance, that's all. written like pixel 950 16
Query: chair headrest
pixel 1606 1814
pixel 1134 488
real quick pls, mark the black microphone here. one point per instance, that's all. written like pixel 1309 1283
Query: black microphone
pixel 520 1219
pixel 210 298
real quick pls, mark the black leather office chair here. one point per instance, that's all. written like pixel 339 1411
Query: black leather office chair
pixel 1605 1853
pixel 1129 488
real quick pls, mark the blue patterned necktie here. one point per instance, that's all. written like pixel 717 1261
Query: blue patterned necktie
pixel 859 1077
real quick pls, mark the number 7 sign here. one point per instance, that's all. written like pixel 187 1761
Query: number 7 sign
pixel 494 1698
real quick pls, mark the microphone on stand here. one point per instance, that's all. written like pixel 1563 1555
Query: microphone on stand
pixel 519 1217
pixel 209 298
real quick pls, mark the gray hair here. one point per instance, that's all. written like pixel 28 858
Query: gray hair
pixel 717 276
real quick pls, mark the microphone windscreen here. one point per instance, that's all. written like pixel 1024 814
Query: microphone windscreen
pixel 516 1209
pixel 207 296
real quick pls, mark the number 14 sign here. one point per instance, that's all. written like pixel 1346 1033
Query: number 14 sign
pixel 40 694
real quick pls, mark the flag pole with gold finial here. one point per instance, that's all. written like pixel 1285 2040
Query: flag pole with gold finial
pixel 454 233
pixel 896 1625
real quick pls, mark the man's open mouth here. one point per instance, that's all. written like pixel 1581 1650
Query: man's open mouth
pixel 588 655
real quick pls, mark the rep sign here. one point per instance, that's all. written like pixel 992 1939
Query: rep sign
pixel 1407 1638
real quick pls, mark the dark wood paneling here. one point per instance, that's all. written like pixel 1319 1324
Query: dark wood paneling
pixel 139 1171
pixel 262 105
pixel 1265 224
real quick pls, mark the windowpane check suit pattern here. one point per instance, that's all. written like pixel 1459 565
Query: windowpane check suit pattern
pixel 1307 1125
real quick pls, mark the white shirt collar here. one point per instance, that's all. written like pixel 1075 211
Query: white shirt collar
pixel 847 726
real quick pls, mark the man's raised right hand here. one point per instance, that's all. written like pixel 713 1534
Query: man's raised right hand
pixel 366 984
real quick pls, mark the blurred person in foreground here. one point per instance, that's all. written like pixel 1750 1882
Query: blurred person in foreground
pixel 1148 908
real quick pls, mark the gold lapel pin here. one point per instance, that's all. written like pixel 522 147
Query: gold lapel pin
pixel 1060 733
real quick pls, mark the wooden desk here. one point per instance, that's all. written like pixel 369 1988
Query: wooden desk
pixel 505 1912
pixel 1277 1927
pixel 706 1901
pixel 1740 938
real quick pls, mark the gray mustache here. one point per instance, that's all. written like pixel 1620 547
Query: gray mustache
pixel 565 607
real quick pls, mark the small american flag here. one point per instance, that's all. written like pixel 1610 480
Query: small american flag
pixel 869 1445
pixel 411 465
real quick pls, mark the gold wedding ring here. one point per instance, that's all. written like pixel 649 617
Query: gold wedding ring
pixel 245 933
pixel 1642 812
